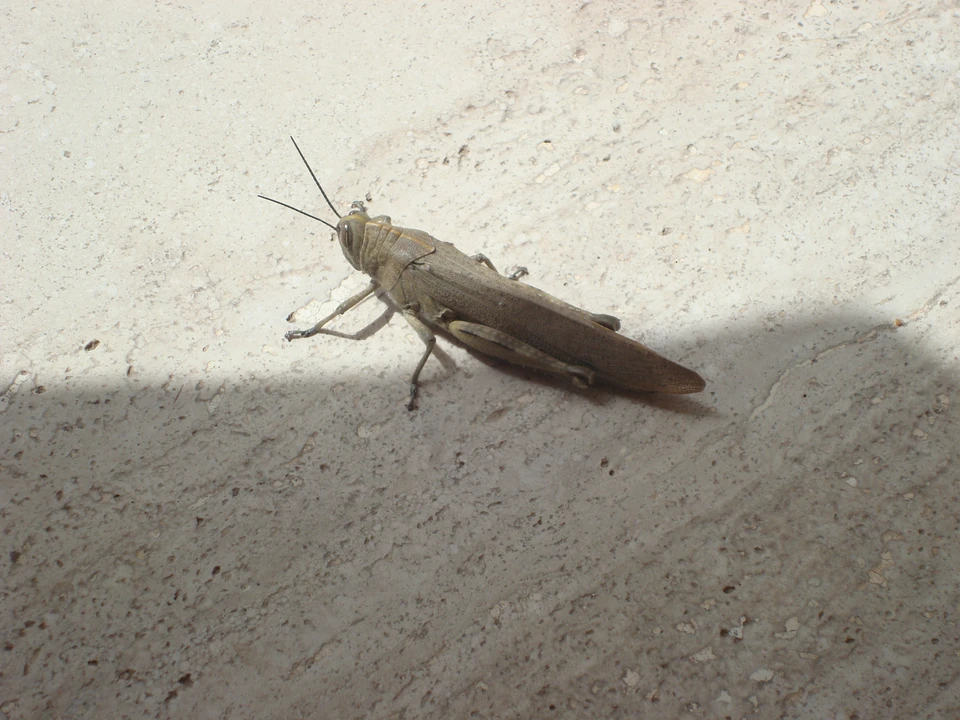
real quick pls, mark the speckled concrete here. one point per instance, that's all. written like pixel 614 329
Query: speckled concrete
pixel 200 520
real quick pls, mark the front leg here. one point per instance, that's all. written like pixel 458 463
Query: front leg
pixel 343 307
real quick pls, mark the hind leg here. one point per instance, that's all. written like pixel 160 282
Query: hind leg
pixel 499 344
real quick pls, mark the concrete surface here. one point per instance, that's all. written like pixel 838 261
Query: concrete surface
pixel 200 520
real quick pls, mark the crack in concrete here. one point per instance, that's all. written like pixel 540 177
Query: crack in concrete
pixel 870 335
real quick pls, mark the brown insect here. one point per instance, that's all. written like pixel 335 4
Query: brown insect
pixel 434 285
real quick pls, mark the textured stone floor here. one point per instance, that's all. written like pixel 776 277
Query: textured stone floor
pixel 200 520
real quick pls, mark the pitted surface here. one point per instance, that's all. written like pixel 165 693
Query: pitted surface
pixel 202 520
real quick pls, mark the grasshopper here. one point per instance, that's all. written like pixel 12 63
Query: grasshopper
pixel 435 285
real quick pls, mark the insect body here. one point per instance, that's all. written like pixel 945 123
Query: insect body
pixel 435 285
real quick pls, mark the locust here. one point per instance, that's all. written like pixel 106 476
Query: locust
pixel 436 286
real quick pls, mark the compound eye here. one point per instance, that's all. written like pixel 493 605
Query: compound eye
pixel 346 236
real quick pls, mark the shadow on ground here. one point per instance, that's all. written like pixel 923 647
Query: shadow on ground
pixel 787 544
